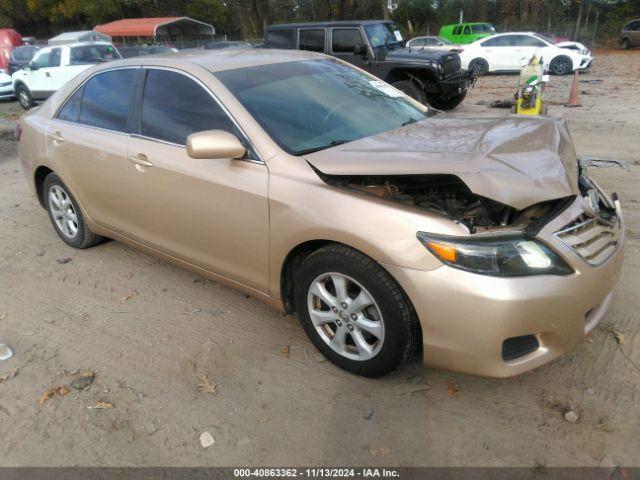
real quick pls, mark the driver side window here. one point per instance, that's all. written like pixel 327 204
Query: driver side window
pixel 48 59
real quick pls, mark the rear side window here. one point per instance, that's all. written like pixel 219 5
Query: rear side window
pixel 174 107
pixel 106 99
pixel 457 30
pixel 280 38
pixel 344 39
pixel 503 41
pixel 71 110
pixel 312 40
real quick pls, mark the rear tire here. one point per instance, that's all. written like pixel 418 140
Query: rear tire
pixel 479 66
pixel 626 44
pixel 24 97
pixel 411 89
pixel 65 214
pixel 448 104
pixel 388 313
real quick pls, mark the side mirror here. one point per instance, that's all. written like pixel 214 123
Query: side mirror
pixel 33 66
pixel 214 144
pixel 359 49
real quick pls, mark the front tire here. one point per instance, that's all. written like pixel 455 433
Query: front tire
pixel 561 65
pixel 354 312
pixel 65 214
pixel 411 89
pixel 448 104
pixel 626 44
pixel 24 97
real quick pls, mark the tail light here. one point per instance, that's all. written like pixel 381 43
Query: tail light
pixel 459 50
pixel 18 131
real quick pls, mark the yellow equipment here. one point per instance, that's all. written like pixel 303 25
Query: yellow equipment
pixel 529 99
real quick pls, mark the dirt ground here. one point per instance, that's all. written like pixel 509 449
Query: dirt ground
pixel 151 331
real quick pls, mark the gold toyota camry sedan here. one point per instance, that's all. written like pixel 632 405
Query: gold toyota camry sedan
pixel 308 183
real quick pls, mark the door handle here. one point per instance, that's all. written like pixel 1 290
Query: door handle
pixel 140 159
pixel 57 138
pixel 47 74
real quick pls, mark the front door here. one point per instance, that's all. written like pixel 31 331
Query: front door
pixel 214 213
pixel 343 42
pixel 45 65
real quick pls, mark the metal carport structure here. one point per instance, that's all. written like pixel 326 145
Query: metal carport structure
pixel 178 31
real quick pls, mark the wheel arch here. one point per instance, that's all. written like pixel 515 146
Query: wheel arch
pixel 296 256
pixel 38 177
pixel 406 73
pixel 563 55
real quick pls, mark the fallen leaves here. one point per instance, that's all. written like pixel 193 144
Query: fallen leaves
pixel 129 295
pixel 452 389
pixel 49 393
pixel 379 452
pixel 285 351
pixel 9 375
pixel 205 386
pixel 617 333
pixel 101 405
pixel 63 261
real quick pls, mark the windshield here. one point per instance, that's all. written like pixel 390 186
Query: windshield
pixel 88 54
pixel 381 34
pixel 23 54
pixel 483 28
pixel 316 104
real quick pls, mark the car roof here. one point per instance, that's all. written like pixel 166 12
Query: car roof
pixel 467 23
pixel 75 44
pixel 222 59
pixel 337 23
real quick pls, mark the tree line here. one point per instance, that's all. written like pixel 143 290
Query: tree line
pixel 248 18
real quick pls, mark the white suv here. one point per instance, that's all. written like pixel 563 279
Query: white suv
pixel 54 66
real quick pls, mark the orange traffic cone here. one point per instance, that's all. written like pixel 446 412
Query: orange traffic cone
pixel 574 97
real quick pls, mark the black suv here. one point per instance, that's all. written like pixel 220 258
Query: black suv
pixel 431 77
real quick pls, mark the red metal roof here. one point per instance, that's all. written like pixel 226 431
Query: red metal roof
pixel 144 27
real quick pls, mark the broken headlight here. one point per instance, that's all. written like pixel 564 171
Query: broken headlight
pixel 496 255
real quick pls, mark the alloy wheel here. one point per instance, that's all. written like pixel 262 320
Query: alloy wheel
pixel 562 66
pixel 63 213
pixel 346 316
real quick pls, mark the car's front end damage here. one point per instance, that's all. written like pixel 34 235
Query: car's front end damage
pixel 534 249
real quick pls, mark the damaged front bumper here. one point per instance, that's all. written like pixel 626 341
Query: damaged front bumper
pixel 457 84
pixel 501 327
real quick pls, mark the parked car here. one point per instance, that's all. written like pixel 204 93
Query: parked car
pixel 52 67
pixel 129 51
pixel 6 88
pixel 436 43
pixel 226 44
pixel 630 35
pixel 553 38
pixel 507 52
pixel 320 189
pixel 463 33
pixel 20 57
pixel 377 46
pixel 9 39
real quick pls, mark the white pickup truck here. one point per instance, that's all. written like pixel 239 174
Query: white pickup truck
pixel 54 66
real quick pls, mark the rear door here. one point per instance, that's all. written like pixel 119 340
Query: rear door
pixel 343 41
pixel 312 39
pixel 498 51
pixel 87 140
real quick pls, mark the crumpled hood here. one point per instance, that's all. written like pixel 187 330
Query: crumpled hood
pixel 517 161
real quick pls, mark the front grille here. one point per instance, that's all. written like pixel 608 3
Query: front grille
pixel 451 66
pixel 516 347
pixel 594 238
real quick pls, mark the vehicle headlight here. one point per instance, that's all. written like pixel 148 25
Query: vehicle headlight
pixel 496 255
